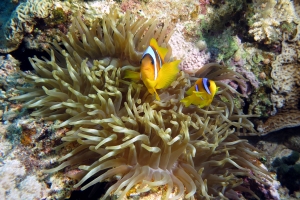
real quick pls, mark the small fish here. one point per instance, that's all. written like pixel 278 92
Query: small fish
pixel 155 73
pixel 201 94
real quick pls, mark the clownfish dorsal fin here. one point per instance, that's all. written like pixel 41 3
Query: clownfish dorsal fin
pixel 161 51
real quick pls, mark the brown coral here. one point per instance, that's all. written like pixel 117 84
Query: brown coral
pixel 22 22
pixel 122 133
pixel 285 90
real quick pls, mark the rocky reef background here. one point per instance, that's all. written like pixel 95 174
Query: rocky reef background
pixel 258 39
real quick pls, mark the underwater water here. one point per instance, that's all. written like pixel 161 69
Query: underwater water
pixel 147 99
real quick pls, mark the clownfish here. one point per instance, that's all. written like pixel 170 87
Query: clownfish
pixel 201 93
pixel 154 72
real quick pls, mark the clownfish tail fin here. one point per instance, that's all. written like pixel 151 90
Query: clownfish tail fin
pixel 187 101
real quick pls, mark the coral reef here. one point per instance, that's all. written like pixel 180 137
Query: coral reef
pixel 268 19
pixel 292 140
pixel 130 5
pixel 285 90
pixel 222 46
pixel 8 182
pixel 23 144
pixel 21 162
pixel 22 21
pixel 286 78
pixel 281 120
pixel 9 79
pixel 218 13
pixel 174 11
pixel 92 9
pixel 192 58
pixel 255 64
pixel 277 151
pixel 5 13
pixel 119 132
pixel 9 75
pixel 288 171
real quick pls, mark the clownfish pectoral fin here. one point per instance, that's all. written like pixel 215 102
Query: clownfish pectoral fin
pixel 150 84
pixel 204 99
pixel 132 75
pixel 202 95
pixel 167 74
pixel 190 91
pixel 187 101
pixel 162 52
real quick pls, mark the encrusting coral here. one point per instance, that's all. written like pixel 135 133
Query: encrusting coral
pixel 122 133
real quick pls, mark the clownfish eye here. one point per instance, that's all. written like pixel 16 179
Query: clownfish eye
pixel 206 85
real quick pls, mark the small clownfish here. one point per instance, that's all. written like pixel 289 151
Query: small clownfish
pixel 155 73
pixel 201 94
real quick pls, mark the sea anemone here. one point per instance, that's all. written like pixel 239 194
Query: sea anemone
pixel 121 133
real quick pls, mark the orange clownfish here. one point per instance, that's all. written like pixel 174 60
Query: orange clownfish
pixel 201 94
pixel 155 73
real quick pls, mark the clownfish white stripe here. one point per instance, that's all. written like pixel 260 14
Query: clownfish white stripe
pixel 153 56
pixel 160 62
